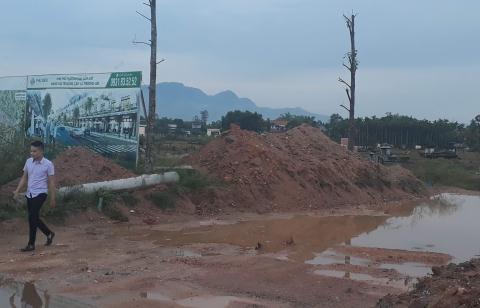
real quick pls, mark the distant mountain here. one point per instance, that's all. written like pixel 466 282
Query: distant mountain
pixel 175 100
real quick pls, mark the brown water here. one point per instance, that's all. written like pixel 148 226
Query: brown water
pixel 399 283
pixel 447 224
pixel 206 301
pixel 16 295
pixel 302 235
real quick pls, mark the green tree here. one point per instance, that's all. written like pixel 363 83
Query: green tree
pixel 297 120
pixel 472 134
pixel 246 120
pixel 399 130
pixel 215 124
pixel 336 127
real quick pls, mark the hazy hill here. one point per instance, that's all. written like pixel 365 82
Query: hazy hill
pixel 176 100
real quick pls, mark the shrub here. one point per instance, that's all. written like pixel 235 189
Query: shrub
pixel 164 199
pixel 108 206
pixel 9 210
pixel 129 199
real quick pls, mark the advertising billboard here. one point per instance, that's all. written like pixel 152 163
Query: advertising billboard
pixel 12 110
pixel 96 111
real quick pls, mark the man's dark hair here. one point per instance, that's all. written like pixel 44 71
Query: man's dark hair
pixel 38 144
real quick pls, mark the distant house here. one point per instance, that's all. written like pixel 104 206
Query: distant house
pixel 279 125
pixel 172 128
pixel 213 132
pixel 196 125
pixel 196 128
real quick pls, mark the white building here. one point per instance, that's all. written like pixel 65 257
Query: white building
pixel 213 132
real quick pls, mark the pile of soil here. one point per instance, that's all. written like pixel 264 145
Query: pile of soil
pixel 79 165
pixel 449 286
pixel 299 169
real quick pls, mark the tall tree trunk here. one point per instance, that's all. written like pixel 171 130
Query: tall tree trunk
pixel 353 71
pixel 351 87
pixel 152 89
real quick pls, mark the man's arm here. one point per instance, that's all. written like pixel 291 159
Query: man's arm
pixel 22 183
pixel 53 191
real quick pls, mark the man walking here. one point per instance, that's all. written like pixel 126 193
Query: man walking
pixel 38 173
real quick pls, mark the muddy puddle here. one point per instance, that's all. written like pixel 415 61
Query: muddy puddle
pixel 206 301
pixel 431 233
pixel 448 224
pixel 15 295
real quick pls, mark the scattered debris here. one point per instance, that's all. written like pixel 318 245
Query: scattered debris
pixel 449 286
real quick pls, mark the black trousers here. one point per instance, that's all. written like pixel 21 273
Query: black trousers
pixel 34 205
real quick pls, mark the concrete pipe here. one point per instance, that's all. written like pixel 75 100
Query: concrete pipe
pixel 144 180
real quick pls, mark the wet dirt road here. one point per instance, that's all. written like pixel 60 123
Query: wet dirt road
pixel 249 261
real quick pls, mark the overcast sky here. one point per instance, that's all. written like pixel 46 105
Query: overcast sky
pixel 417 58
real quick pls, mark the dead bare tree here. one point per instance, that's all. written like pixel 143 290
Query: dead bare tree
pixel 152 4
pixel 352 64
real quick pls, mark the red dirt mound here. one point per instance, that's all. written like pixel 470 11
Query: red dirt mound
pixel 450 286
pixel 79 165
pixel 301 168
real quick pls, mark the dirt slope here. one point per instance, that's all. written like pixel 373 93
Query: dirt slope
pixel 298 169
pixel 79 165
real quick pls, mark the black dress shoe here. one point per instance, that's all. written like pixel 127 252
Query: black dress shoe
pixel 28 248
pixel 50 239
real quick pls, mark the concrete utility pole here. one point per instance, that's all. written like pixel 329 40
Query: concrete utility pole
pixel 351 66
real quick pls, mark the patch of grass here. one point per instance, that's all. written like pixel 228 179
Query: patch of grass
pixel 191 182
pixel 68 205
pixel 124 160
pixel 79 201
pixel 447 172
pixel 167 161
pixel 129 199
pixel 114 213
pixel 10 210
pixel 12 162
pixel 194 181
pixel 164 199
pixel 108 206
